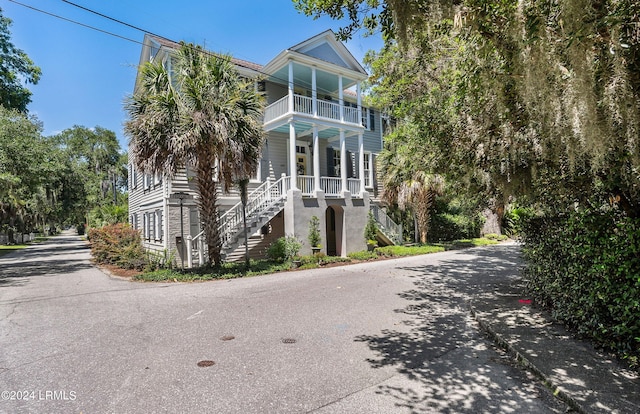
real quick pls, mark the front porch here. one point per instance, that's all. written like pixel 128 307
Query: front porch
pixel 329 186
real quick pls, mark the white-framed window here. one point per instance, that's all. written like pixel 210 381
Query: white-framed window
pixel 145 226
pixel 134 177
pixel 336 163
pixel 368 172
pixel 152 226
pixel 368 119
pixel 157 178
pixel 158 225
pixel 146 181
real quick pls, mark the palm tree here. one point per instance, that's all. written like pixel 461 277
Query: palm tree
pixel 201 114
pixel 406 184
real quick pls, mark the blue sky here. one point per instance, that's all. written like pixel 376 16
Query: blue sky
pixel 87 74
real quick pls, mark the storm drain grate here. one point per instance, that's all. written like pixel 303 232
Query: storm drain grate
pixel 228 338
pixel 206 363
pixel 288 341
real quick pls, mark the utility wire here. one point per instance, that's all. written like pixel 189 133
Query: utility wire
pixel 75 22
pixel 147 32
pixel 165 38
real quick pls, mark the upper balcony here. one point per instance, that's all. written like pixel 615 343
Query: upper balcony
pixel 306 107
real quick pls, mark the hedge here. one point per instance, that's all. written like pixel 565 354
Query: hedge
pixel 585 268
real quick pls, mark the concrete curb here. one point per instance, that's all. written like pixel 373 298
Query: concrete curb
pixel 525 363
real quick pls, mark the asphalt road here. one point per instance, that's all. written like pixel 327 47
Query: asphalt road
pixel 383 337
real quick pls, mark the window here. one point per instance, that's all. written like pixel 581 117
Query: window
pixel 368 119
pixel 158 225
pixel 157 178
pixel 146 181
pixel 145 226
pixel 372 120
pixel 367 169
pixel 336 163
pixel 134 177
pixel 152 226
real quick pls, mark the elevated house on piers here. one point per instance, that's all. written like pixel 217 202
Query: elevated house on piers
pixel 318 160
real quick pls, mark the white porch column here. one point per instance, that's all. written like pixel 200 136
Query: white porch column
pixel 290 86
pixel 341 98
pixel 361 161
pixel 292 156
pixel 314 92
pixel 359 103
pixel 316 159
pixel 343 161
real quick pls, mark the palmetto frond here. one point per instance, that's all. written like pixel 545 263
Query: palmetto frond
pixel 201 114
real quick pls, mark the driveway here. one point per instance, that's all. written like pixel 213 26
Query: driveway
pixel 382 337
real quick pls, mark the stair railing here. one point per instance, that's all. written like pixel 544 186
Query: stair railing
pixel 386 225
pixel 258 201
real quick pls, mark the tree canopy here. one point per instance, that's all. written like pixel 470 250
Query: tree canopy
pixel 528 99
pixel 51 181
pixel 16 70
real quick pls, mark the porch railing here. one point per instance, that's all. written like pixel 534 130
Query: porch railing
pixel 306 184
pixel 353 185
pixel 332 186
pixel 276 109
pixel 304 104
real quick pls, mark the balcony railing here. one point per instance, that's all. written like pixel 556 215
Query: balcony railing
pixel 304 105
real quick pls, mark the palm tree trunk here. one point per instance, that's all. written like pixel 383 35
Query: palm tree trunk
pixel 423 214
pixel 208 204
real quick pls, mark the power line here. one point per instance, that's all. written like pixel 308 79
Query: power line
pixel 75 22
pixel 165 38
pixel 147 32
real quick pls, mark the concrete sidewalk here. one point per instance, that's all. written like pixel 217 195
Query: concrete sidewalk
pixel 589 381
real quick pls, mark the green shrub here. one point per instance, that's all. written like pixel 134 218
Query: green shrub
pixel 371 229
pixel 447 227
pixel 119 245
pixel 514 218
pixel 585 268
pixel 314 231
pixel 498 237
pixel 283 249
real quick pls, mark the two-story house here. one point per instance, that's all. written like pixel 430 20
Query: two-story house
pixel 318 160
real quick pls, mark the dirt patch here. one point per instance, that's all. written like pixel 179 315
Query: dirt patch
pixel 117 271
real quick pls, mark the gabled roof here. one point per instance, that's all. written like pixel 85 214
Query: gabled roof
pixel 326 47
pixel 322 50
pixel 170 44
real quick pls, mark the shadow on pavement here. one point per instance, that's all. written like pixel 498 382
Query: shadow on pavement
pixel 57 256
pixel 436 344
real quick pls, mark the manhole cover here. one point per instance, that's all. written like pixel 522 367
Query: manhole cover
pixel 228 338
pixel 288 341
pixel 206 363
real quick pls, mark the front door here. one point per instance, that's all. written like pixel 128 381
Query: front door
pixel 301 160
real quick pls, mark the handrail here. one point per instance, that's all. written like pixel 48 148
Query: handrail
pixel 387 226
pixel 259 199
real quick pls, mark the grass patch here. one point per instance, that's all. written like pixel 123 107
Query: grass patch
pixel 459 244
pixel 363 255
pixel 262 267
pixel 402 251
pixel 8 249
pixel 226 271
